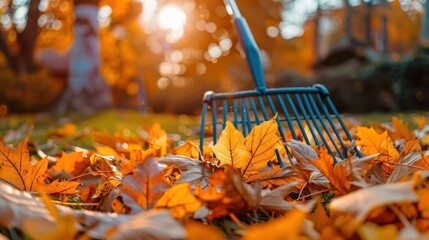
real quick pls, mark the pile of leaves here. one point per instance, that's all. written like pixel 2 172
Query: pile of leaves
pixel 142 187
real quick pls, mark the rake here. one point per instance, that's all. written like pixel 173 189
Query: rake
pixel 303 113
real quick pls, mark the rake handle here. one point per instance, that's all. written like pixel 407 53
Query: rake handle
pixel 251 49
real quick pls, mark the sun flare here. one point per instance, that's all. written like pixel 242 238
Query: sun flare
pixel 171 17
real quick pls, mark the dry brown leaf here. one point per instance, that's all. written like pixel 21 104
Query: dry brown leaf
pixel 147 184
pixel 275 199
pixel 272 178
pixel 180 200
pixel 151 225
pixel 17 169
pixel 359 203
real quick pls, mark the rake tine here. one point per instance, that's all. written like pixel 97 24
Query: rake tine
pixel 304 113
pixel 282 134
pixel 334 110
pixel 264 111
pixel 255 111
pixel 225 111
pixel 235 111
pixel 313 104
pixel 313 118
pixel 247 114
pixel 214 120
pixel 331 122
pixel 286 113
pixel 203 120
pixel 298 120
pixel 243 117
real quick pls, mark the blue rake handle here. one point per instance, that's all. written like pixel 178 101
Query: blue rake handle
pixel 249 45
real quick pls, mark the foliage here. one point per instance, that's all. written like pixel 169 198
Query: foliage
pixel 135 187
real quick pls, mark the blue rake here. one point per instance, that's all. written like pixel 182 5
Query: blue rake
pixel 303 113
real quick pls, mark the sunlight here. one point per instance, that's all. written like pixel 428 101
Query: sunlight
pixel 171 17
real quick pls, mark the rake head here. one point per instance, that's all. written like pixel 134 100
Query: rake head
pixel 303 113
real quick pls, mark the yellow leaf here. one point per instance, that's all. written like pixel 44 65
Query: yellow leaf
pixel 55 187
pixel 180 200
pixel 374 143
pixel 74 163
pixel 287 227
pixel 371 231
pixel 107 151
pixel 188 149
pixel 106 186
pixel 195 231
pixel 231 149
pixel 261 143
pixel 17 169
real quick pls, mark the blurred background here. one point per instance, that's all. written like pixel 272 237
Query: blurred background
pixel 161 56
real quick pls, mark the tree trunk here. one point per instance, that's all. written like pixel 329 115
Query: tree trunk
pixel 425 28
pixel 86 91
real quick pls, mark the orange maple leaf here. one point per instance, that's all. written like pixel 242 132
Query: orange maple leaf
pixel 337 175
pixel 401 130
pixel 74 163
pixel 158 139
pixel 136 157
pixel 375 143
pixel 56 187
pixel 17 169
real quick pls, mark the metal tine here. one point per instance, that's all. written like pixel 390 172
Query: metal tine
pixel 307 120
pixel 214 121
pixel 225 112
pixel 298 119
pixel 337 115
pixel 331 122
pixel 313 118
pixel 263 109
pixel 286 113
pixel 243 117
pixel 202 127
pixel 247 114
pixel 322 121
pixel 255 111
pixel 235 112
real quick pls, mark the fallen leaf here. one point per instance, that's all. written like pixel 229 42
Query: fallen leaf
pixel 192 171
pixel 17 169
pixel 151 225
pixel 272 178
pixel 275 199
pixel 188 149
pixel 74 163
pixel 136 157
pixel 65 225
pixel 231 149
pixel 286 227
pixel 158 139
pixel 195 230
pixel 401 130
pixel 371 231
pixel 56 187
pixel 359 203
pixel 147 184
pixel 106 186
pixel 180 200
